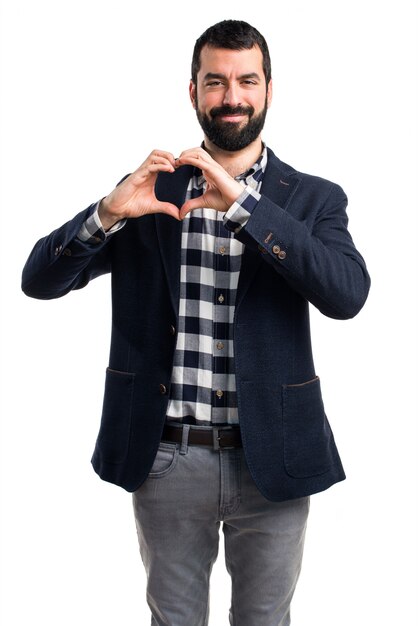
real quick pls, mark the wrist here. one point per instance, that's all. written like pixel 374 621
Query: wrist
pixel 106 216
pixel 234 193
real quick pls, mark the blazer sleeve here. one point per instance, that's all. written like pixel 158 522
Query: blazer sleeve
pixel 61 262
pixel 311 248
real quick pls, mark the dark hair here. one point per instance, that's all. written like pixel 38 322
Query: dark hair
pixel 233 35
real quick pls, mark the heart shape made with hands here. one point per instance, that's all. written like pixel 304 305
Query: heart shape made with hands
pixel 222 190
pixel 135 196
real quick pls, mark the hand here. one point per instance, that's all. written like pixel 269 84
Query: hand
pixel 135 196
pixel 221 191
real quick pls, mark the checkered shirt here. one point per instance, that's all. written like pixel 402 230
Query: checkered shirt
pixel 202 389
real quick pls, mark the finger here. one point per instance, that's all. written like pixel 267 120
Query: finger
pixel 149 171
pixel 160 159
pixel 154 168
pixel 190 159
pixel 194 156
pixel 157 155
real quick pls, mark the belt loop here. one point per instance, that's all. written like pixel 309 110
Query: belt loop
pixel 216 438
pixel 184 439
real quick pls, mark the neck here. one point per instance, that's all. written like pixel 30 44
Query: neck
pixel 235 163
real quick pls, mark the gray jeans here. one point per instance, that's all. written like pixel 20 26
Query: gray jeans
pixel 178 511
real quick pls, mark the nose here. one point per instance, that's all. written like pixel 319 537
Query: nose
pixel 232 96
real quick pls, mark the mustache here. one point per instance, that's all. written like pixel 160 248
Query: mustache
pixel 227 110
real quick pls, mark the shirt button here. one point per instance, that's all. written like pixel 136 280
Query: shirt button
pixel 222 250
pixel 163 389
pixel 221 299
pixel 276 249
pixel 220 345
pixel 219 393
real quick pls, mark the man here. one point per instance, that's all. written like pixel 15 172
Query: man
pixel 212 409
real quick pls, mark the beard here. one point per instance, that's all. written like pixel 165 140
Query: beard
pixel 231 136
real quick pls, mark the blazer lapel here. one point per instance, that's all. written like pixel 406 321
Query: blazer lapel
pixel 279 184
pixel 171 188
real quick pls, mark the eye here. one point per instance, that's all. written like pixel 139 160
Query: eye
pixel 214 83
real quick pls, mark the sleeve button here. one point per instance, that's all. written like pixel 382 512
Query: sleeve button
pixel 282 255
pixel 276 249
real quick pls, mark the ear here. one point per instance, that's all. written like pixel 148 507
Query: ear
pixel 192 93
pixel 269 92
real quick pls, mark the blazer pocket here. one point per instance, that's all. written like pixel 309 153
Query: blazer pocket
pixel 115 426
pixel 308 439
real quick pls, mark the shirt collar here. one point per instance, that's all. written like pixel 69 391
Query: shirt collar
pixel 256 172
pixel 252 176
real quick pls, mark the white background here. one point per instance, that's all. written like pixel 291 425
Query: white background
pixel 89 88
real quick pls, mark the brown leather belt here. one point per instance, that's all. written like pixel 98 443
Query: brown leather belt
pixel 219 437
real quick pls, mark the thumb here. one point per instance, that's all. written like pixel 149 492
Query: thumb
pixel 193 203
pixel 168 209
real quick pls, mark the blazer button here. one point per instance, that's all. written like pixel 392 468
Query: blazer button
pixel 276 249
pixel 163 389
pixel 172 329
pixel 67 252
pixel 282 255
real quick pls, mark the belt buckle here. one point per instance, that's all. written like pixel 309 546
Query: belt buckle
pixel 217 438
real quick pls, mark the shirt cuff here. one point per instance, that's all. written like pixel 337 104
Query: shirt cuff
pixel 239 213
pixel 92 230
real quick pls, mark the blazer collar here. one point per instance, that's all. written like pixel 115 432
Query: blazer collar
pixel 280 181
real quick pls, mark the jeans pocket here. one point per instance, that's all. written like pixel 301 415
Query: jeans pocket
pixel 165 460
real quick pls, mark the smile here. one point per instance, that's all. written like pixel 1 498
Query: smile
pixel 232 118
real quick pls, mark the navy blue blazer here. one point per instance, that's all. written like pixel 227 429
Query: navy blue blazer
pixel 297 251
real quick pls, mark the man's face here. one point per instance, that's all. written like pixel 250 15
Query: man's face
pixel 231 96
